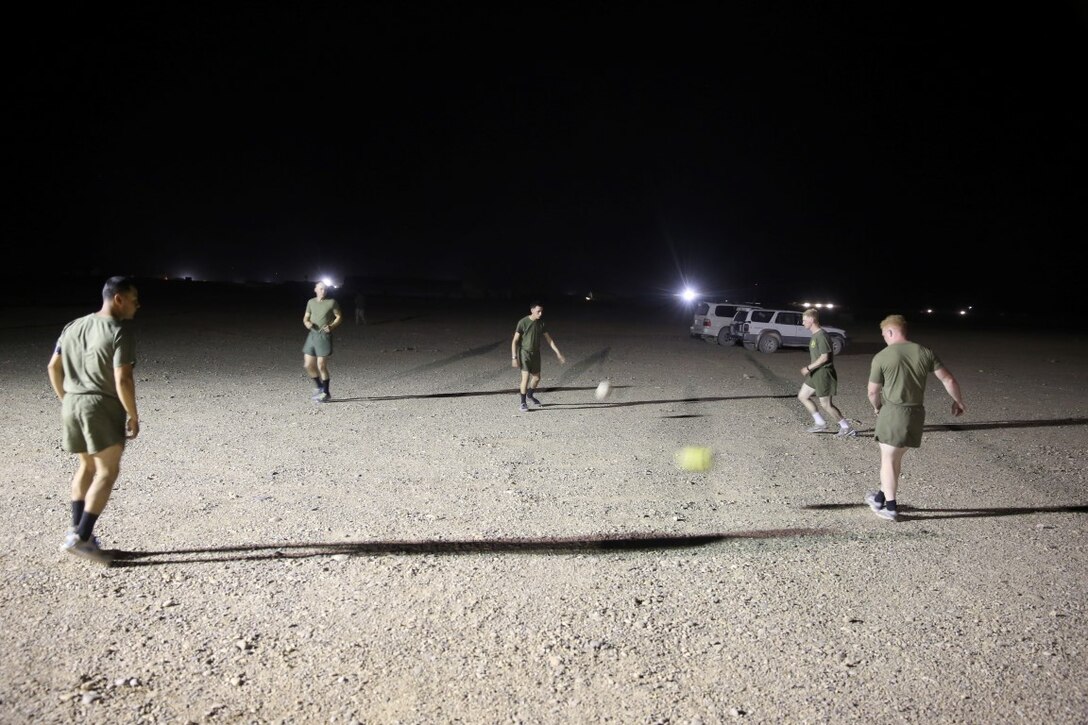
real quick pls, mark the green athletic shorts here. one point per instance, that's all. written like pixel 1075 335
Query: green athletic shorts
pixel 530 361
pixel 92 423
pixel 901 425
pixel 824 381
pixel 318 344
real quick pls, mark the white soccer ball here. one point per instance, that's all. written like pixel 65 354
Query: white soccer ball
pixel 603 390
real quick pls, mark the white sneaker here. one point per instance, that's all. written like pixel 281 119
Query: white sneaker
pixel 87 549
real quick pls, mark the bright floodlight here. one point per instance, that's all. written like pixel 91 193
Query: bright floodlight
pixel 963 312
pixel 327 282
pixel 929 311
pixel 688 294
pixel 830 306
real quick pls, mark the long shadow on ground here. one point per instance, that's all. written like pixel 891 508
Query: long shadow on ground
pixel 463 394
pixel 992 425
pixel 910 513
pixel 629 403
pixel 548 545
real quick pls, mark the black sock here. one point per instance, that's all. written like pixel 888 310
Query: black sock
pixel 523 398
pixel 317 383
pixel 325 386
pixel 532 392
pixel 880 497
pixel 77 511
pixel 86 524
pixel 890 505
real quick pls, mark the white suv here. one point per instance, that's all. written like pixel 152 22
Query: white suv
pixel 768 330
pixel 715 319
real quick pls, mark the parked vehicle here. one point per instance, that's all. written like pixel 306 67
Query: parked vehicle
pixel 768 330
pixel 713 320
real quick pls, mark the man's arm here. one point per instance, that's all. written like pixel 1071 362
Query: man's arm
pixel 337 319
pixel 514 362
pixel 56 375
pixel 126 390
pixel 551 342
pixel 953 389
pixel 822 360
pixel 874 396
pixel 306 319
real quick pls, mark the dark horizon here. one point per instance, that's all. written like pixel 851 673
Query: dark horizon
pixel 858 154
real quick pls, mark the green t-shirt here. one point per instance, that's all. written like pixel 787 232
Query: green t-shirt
pixel 90 348
pixel 818 345
pixel 902 370
pixel 531 331
pixel 322 312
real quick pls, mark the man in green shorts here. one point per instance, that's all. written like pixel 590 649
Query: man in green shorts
pixel 897 387
pixel 525 353
pixel 91 373
pixel 322 317
pixel 821 379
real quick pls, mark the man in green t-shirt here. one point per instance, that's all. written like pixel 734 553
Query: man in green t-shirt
pixel 525 353
pixel 322 317
pixel 821 379
pixel 91 373
pixel 897 388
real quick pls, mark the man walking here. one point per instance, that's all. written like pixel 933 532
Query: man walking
pixel 91 373
pixel 322 317
pixel 897 386
pixel 525 353
pixel 360 309
pixel 821 378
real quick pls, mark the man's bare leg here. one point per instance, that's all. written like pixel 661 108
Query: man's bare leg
pixel 827 405
pixel 891 462
pixel 805 396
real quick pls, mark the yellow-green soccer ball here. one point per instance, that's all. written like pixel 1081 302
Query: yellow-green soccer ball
pixel 694 458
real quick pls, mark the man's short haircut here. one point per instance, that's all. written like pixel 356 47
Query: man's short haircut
pixel 535 303
pixel 117 286
pixel 813 313
pixel 894 321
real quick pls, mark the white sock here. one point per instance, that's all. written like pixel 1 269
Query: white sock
pixel 819 419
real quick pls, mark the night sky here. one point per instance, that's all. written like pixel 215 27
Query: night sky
pixel 871 153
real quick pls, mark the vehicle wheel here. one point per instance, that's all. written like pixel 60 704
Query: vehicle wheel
pixel 749 345
pixel 837 344
pixel 769 343
pixel 724 338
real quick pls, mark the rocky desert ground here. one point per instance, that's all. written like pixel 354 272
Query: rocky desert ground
pixel 418 551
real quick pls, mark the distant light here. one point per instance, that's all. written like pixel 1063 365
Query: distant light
pixel 963 312
pixel 929 311
pixel 688 294
pixel 819 305
pixel 327 282
pixel 806 304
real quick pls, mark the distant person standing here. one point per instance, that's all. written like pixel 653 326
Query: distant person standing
pixel 897 387
pixel 91 373
pixel 322 317
pixel 525 353
pixel 360 309
pixel 821 379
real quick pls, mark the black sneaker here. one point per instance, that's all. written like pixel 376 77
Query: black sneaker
pixel 534 401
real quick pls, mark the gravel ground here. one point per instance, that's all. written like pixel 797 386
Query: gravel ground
pixel 417 551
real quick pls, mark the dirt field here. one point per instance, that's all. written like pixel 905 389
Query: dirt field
pixel 417 551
